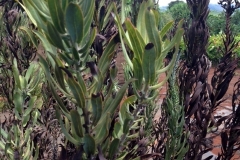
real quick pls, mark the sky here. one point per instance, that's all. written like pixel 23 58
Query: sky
pixel 165 2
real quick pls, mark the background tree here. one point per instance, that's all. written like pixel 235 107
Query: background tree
pixel 236 22
pixel 215 22
pixel 179 10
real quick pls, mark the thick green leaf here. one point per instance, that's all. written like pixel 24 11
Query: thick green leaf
pixel 8 147
pixel 42 8
pixel 35 80
pixel 136 40
pixel 122 34
pixel 149 58
pixel 138 73
pixel 88 8
pixel 57 15
pixel 47 46
pixel 175 41
pixel 84 50
pixel 152 32
pixel 77 91
pixel 75 54
pixel 60 77
pixel 44 65
pixel 16 73
pixel 31 70
pixel 102 129
pixel 18 102
pixel 113 73
pixel 74 22
pixel 157 16
pixel 89 145
pixel 54 37
pixel 170 65
pixel 124 109
pixel 126 125
pixel 36 153
pixel 105 145
pixel 36 115
pixel 141 20
pixel 33 14
pixel 165 29
pixel 76 122
pixel 3 133
pixel 117 131
pixel 82 83
pixel 27 133
pixel 114 148
pixel 106 58
pixel 96 101
pixel 64 131
pixel 31 104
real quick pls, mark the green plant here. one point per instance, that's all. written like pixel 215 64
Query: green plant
pixel 14 45
pixel 214 52
pixel 172 109
pixel 16 132
pixel 103 120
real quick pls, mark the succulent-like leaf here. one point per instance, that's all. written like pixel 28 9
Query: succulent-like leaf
pixel 114 148
pixel 54 37
pixel 42 9
pixel 126 125
pixel 122 34
pixel 88 8
pixel 124 108
pixel 89 145
pixel 166 28
pixel 175 41
pixel 117 131
pixel 141 19
pixel 18 102
pixel 16 73
pixel 149 58
pixel 74 22
pixel 57 15
pixel 77 91
pixel 96 108
pixel 106 58
pixel 64 131
pixel 60 77
pixel 137 43
pixel 102 128
pixel 85 48
pixel 138 73
pixel 152 31
pixel 33 14
pixel 76 122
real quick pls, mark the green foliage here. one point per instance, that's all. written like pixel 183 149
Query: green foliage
pixel 213 50
pixel 179 10
pixel 92 119
pixel 216 23
pixel 176 145
pixel 16 140
pixel 236 22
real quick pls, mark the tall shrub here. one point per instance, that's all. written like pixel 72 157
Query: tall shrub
pixel 104 120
